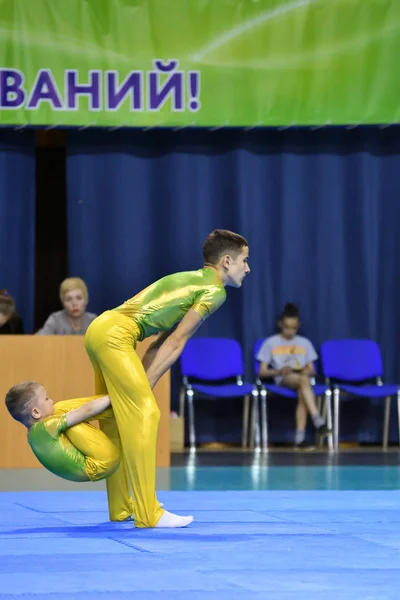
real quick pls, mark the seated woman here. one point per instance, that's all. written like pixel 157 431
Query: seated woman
pixel 73 319
pixel 10 321
pixel 289 358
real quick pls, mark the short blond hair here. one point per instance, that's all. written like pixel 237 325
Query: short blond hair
pixel 19 399
pixel 73 283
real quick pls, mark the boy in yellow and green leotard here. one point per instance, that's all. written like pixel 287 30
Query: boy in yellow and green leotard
pixel 173 307
pixel 59 434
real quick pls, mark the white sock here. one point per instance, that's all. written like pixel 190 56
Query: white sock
pixel 170 520
pixel 318 420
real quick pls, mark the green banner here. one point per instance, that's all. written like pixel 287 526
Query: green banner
pixel 213 63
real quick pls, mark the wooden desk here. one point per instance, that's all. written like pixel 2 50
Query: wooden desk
pixel 61 364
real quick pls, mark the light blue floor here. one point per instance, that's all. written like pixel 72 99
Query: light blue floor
pixel 275 543
pixel 284 478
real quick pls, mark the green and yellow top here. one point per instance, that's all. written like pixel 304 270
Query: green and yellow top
pixel 165 302
pixel 54 451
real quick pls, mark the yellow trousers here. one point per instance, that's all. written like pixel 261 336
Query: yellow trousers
pixel 110 342
pixel 102 458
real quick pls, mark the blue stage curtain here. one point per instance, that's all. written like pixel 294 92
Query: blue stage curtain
pixel 320 209
pixel 17 220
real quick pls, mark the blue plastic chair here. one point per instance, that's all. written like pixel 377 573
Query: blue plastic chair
pixel 347 364
pixel 213 368
pixel 320 391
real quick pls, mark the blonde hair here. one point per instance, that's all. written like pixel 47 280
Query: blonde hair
pixel 73 283
pixel 19 399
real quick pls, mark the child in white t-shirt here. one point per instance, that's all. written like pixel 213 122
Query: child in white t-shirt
pixel 289 359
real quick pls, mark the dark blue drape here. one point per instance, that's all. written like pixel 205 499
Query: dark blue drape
pixel 17 220
pixel 320 209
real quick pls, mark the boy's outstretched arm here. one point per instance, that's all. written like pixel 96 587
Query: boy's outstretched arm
pixel 172 347
pixel 154 347
pixel 87 411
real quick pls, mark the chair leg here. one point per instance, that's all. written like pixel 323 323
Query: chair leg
pixel 328 404
pixel 264 420
pixel 256 420
pixel 336 396
pixel 182 395
pixel 245 425
pixel 254 442
pixel 398 412
pixel 253 424
pixel 386 421
pixel 324 407
pixel 192 433
pixel 321 410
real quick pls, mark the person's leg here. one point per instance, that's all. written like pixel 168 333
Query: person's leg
pixel 120 505
pixel 101 455
pixel 306 403
pixel 110 341
pixel 137 416
pixel 302 384
pixel 301 419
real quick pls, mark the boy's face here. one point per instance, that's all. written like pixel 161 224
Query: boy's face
pixel 237 268
pixel 74 303
pixel 42 405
